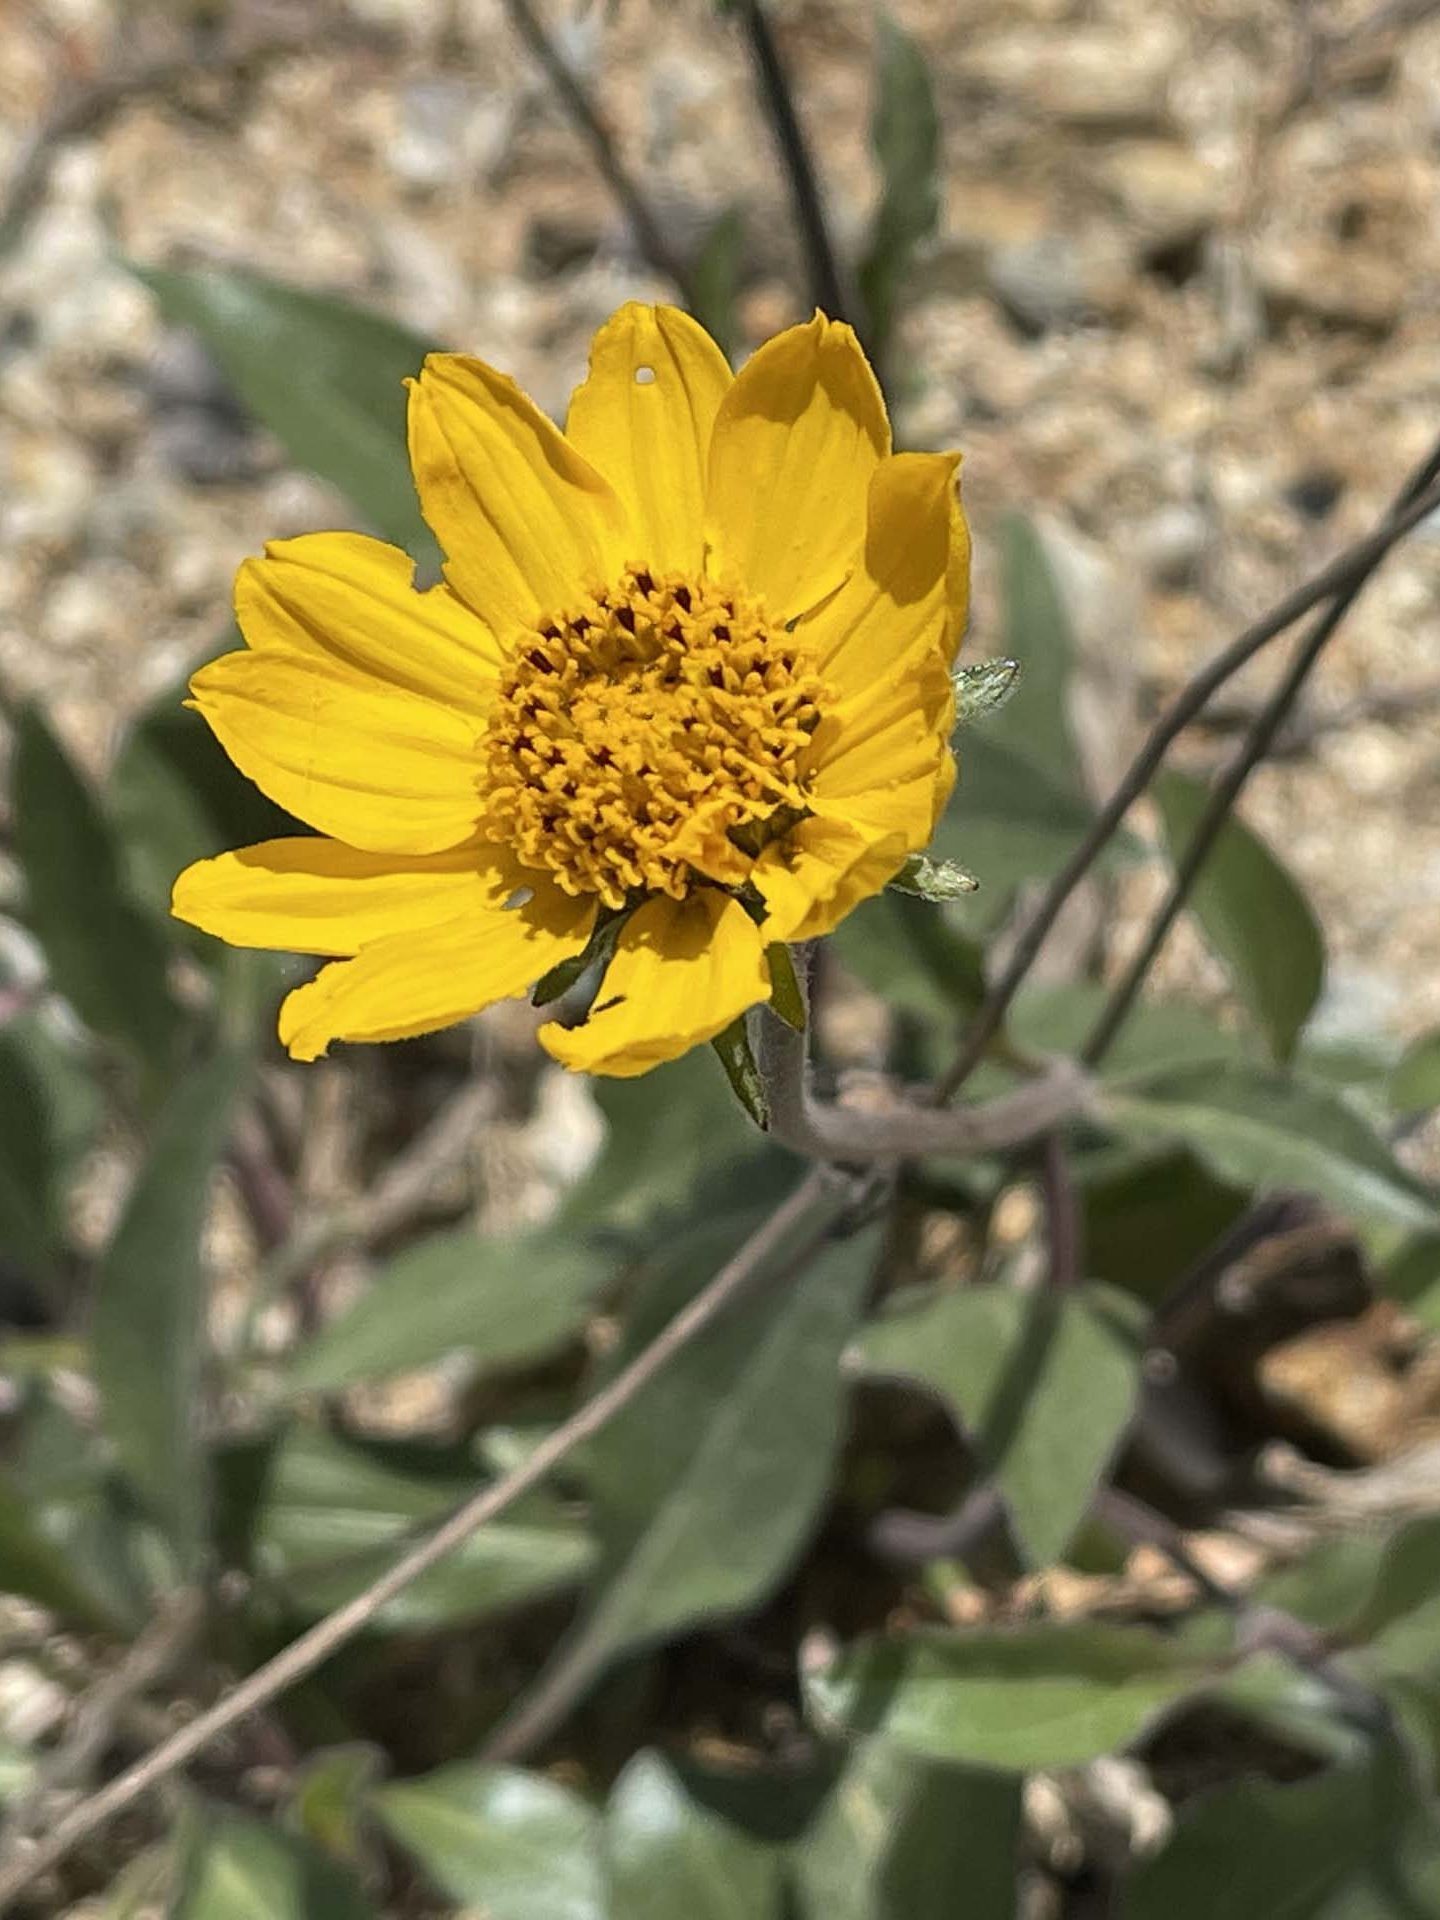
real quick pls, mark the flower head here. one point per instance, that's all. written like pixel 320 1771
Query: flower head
pixel 684 692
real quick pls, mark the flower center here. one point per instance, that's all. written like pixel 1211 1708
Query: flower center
pixel 643 740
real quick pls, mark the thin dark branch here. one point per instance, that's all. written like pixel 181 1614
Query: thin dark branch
pixel 1348 572
pixel 1062 1211
pixel 1227 790
pixel 649 235
pixel 798 1227
pixel 822 264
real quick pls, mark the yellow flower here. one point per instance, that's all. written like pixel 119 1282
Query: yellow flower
pixel 686 682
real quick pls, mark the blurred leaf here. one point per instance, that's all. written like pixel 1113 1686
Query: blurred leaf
pixel 1012 818
pixel 1266 1132
pixel 105 955
pixel 733 1049
pixel 1414 1086
pixel 908 952
pixel 1048 1694
pixel 1253 913
pixel 148 1321
pixel 53 1058
pixel 1255 1848
pixel 666 1128
pixel 1146 1224
pixel 905 138
pixel 714 279
pixel 236 1868
pixel 706 1486
pixel 324 376
pixel 898 1837
pixel 139 1890
pixel 787 1002
pixel 332 1517
pixel 1159 1034
pixel 669 1856
pixel 1035 723
pixel 176 797
pixel 29 1202
pixel 37 1568
pixel 500 1301
pixel 510 1844
pixel 1042 1386
pixel 328 1800
pixel 1412 1274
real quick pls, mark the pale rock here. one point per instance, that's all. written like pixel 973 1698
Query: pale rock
pixel 1339 286
pixel 1099 78
pixel 49 486
pixel 1062 279
pixel 1171 542
pixel 1166 194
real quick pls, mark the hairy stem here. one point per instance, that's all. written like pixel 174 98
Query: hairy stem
pixel 848 1136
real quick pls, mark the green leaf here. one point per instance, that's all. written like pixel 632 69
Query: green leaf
pixel 510 1844
pixel 236 1868
pixel 176 797
pixel 1012 819
pixel 666 1129
pixel 1035 724
pixel 328 1801
pixel 39 1568
pixel 1050 1694
pixel 332 1518
pixel 106 956
pixel 29 1201
pixel 1266 1132
pixel 733 1048
pixel 933 879
pixel 898 1837
pixel 905 138
pixel 1253 913
pixel 714 279
pixel 1158 1035
pixel 668 1855
pixel 708 1483
pixel 1274 1851
pixel 1414 1085
pixel 148 1322
pixel 982 689
pixel 500 1301
pixel 787 1002
pixel 1145 1224
pixel 1042 1385
pixel 324 376
pixel 911 954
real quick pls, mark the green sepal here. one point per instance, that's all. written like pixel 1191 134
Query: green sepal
pixel 786 999
pixel 733 1047
pixel 929 879
pixel 599 951
pixel 983 689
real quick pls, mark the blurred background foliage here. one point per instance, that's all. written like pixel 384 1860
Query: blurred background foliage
pixel 1067 1539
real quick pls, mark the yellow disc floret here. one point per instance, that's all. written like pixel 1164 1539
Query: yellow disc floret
pixel 645 739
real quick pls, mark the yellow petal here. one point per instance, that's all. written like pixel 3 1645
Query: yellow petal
pixel 827 865
pixel 796 441
pixel 892 734
pixel 345 597
pixel 526 524
pixel 650 436
pixel 317 896
pixel 416 982
pixel 683 972
pixel 897 600
pixel 374 766
pixel 957 578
